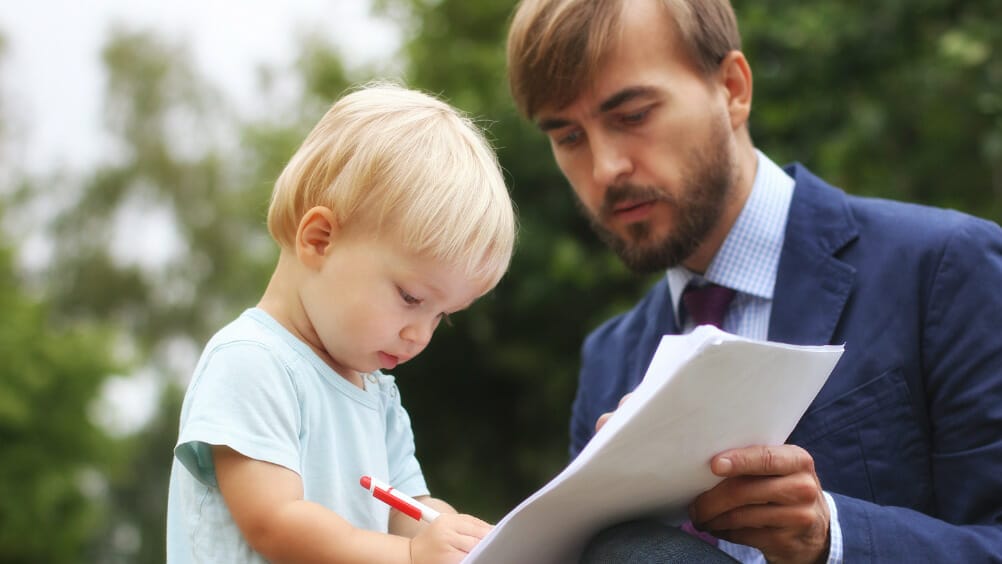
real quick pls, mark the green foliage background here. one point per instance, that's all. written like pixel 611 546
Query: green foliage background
pixel 895 99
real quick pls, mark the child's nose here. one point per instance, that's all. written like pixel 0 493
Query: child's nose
pixel 418 333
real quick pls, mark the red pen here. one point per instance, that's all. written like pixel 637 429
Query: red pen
pixel 399 501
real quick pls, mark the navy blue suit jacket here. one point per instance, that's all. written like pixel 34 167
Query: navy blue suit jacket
pixel 907 433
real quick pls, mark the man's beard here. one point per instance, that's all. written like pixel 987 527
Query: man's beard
pixel 696 211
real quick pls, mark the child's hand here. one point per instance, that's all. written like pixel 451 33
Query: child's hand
pixel 447 539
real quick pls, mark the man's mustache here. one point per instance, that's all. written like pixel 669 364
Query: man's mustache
pixel 615 195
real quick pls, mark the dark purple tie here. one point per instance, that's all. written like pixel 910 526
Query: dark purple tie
pixel 706 305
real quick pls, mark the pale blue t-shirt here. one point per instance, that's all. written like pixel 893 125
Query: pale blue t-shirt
pixel 264 393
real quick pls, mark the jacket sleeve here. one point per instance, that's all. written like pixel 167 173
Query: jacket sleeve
pixel 962 363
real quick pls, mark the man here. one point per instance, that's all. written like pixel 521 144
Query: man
pixel 899 458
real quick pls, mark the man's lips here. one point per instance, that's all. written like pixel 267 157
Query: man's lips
pixel 632 211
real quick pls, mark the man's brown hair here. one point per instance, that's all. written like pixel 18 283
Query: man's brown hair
pixel 555 47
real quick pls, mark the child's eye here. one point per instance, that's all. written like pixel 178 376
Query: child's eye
pixel 408 299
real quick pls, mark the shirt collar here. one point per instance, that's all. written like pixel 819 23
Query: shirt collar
pixel 749 258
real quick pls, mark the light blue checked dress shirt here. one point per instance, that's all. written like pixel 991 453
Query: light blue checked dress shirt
pixel 748 262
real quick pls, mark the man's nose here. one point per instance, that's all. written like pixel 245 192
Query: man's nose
pixel 610 161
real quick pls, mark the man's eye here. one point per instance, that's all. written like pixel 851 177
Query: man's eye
pixel 569 139
pixel 634 118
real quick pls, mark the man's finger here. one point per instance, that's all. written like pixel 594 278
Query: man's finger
pixel 605 416
pixel 764 516
pixel 602 419
pixel 623 399
pixel 762 461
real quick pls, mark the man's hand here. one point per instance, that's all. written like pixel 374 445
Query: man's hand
pixel 605 416
pixel 771 499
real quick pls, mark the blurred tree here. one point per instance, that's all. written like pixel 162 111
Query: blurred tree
pixel 53 456
pixel 168 172
pixel 3 124
pixel 166 176
pixel 896 99
pixel 136 524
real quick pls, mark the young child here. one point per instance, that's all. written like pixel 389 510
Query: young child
pixel 391 216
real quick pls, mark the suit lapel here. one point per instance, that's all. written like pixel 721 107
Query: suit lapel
pixel 659 320
pixel 812 285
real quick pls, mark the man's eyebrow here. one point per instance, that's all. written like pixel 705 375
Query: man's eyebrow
pixel 624 96
pixel 609 104
pixel 550 124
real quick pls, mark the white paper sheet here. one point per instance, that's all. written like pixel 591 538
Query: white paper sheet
pixel 703 393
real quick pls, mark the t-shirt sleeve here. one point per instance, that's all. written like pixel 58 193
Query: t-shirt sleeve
pixel 405 471
pixel 243 398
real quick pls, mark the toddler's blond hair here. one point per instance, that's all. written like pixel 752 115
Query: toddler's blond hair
pixel 407 165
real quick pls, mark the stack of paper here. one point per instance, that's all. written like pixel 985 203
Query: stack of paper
pixel 703 393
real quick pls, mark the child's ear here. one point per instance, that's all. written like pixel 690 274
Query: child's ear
pixel 315 235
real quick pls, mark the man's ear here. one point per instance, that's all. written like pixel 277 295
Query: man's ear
pixel 736 79
pixel 316 233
